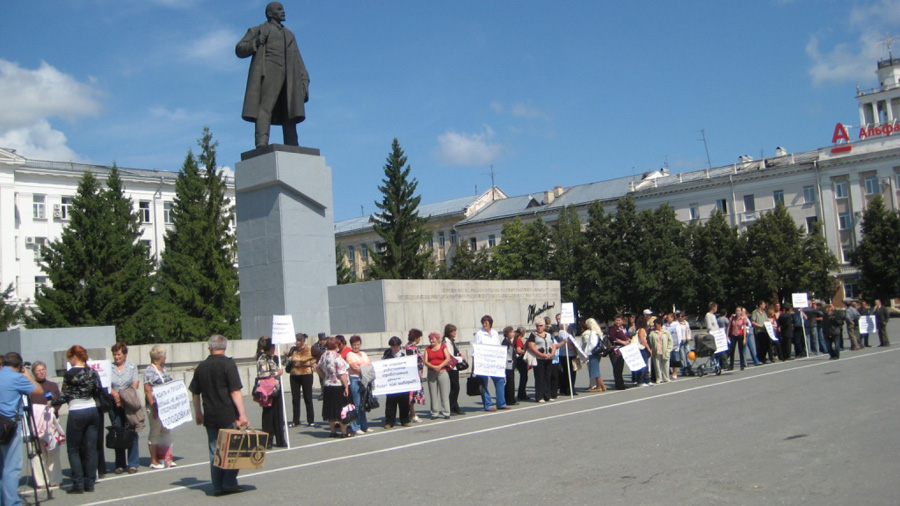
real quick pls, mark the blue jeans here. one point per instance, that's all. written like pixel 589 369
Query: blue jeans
pixel 117 419
pixel 499 388
pixel 82 429
pixel 750 347
pixel 812 340
pixel 11 461
pixel 222 479
pixel 683 350
pixel 362 423
pixel 823 344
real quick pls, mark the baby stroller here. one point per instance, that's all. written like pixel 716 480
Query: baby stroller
pixel 705 361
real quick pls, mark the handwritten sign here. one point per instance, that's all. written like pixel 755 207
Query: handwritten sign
pixel 396 375
pixel 867 324
pixel 283 329
pixel 103 368
pixel 567 315
pixel 633 358
pixel 771 331
pixel 721 340
pixel 490 360
pixel 173 404
pixel 799 300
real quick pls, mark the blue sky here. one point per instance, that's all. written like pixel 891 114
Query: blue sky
pixel 558 93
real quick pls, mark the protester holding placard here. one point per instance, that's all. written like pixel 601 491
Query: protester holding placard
pixel 123 375
pixel 618 336
pixel 437 360
pixel 356 360
pixel 864 312
pixel 396 401
pixel 160 440
pixel 335 387
pixel 412 349
pixel 641 377
pixel 302 363
pixel 487 335
pixel 540 343
pixel 737 327
pixel 81 385
pixel 268 368
pixel 449 340
pixel 761 338
pixel 785 325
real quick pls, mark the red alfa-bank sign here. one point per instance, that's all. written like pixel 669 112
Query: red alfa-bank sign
pixel 841 137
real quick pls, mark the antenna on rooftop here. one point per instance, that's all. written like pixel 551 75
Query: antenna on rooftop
pixel 705 146
pixel 361 212
pixel 889 42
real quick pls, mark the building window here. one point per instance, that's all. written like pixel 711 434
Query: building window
pixel 722 205
pixel 809 194
pixel 846 251
pixel 144 210
pixel 871 185
pixel 167 213
pixel 65 208
pixel 841 190
pixel 39 206
pixel 453 237
pixel 39 283
pixel 844 221
pixel 38 242
pixel 441 241
pixel 492 241
pixel 811 223
pixel 147 244
pixel 351 252
pixel 749 204
pixel 778 197
pixel 851 288
pixel 364 253
pixel 694 212
pixel 473 244
pixel 431 242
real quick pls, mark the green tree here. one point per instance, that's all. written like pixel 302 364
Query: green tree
pixel 401 229
pixel 344 274
pixel 467 264
pixel 663 274
pixel 712 249
pixel 510 255
pixel 98 269
pixel 773 248
pixel 817 266
pixel 198 282
pixel 876 254
pixel 10 314
pixel 600 295
pixel 568 246
pixel 627 234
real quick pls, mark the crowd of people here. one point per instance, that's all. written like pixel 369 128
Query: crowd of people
pixel 551 353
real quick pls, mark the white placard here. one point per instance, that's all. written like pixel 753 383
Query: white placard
pixel 283 329
pixel 567 314
pixel 396 375
pixel 103 368
pixel 867 324
pixel 771 331
pixel 721 340
pixel 799 300
pixel 633 358
pixel 490 360
pixel 581 352
pixel 173 403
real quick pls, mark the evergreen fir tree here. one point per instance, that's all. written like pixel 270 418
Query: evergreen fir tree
pixel 509 257
pixel 468 264
pixel 713 246
pixel 98 269
pixel 818 264
pixel 10 314
pixel 344 274
pixel 198 281
pixel 773 249
pixel 402 254
pixel 876 254
pixel 568 245
pixel 600 292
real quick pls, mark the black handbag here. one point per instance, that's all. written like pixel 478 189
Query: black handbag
pixel 602 349
pixel 474 386
pixel 104 400
pixel 368 398
pixel 349 413
pixel 120 438
pixel 8 428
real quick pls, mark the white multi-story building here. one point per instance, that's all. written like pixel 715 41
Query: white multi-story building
pixel 35 205
pixel 832 185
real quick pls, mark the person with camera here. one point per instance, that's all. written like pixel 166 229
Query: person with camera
pixel 15 381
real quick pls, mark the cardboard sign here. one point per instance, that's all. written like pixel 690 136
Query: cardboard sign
pixel 721 340
pixel 173 403
pixel 633 358
pixel 799 300
pixel 396 375
pixel 567 316
pixel 283 329
pixel 867 325
pixel 490 360
pixel 771 331
pixel 241 449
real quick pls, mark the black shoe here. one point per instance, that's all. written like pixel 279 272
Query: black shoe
pixel 74 491
pixel 229 491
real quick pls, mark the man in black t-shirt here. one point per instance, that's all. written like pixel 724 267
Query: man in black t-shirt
pixel 217 383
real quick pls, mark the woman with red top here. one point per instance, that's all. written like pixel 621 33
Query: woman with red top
pixel 437 360
pixel 412 349
pixel 736 328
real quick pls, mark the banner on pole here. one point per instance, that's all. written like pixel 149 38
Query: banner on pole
pixel 396 375
pixel 490 360
pixel 173 404
pixel 770 329
pixel 721 340
pixel 567 314
pixel 633 358
pixel 283 329
pixel 799 300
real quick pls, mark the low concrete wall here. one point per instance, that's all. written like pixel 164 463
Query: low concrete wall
pixel 44 344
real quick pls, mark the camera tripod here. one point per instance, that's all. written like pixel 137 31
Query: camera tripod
pixel 32 444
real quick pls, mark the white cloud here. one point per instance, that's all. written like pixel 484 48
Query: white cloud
pixel 497 107
pixel 214 49
pixel 29 97
pixel 456 148
pixel 526 110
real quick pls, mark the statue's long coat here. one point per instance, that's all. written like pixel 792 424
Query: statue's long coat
pixel 297 78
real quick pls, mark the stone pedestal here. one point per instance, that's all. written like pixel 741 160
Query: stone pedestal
pixel 285 236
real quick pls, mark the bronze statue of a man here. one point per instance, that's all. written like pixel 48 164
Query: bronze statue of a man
pixel 278 84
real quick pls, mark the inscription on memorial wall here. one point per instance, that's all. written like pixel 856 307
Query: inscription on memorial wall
pixel 463 294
